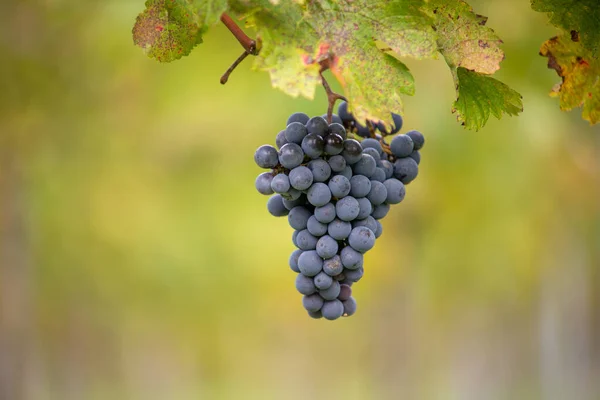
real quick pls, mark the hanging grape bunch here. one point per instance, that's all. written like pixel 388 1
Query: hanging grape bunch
pixel 334 190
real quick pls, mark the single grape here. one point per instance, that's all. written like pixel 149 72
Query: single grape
pixel 338 129
pixel 365 166
pixel 378 230
pixel 362 130
pixel 298 217
pixel 397 123
pixel 380 126
pixel 345 293
pixel 306 241
pixel 373 144
pixel 315 314
pixel 347 172
pixel 323 281
pixel 326 213
pixel 305 285
pixel 266 156
pixel 280 183
pixel 294 260
pixel 338 229
pixel 263 183
pixel 347 208
pixel 309 263
pixel 395 191
pixel 295 237
pixel 339 186
pixel 280 139
pixel 334 144
pixel 388 167
pixel 373 153
pixel 415 155
pixel 319 194
pixel 337 163
pixel 332 292
pixel 349 307
pixel 327 247
pixel 295 132
pixel 332 310
pixel 275 206
pixel 364 208
pixel 417 138
pixel 333 266
pixel 380 211
pixel 313 145
pixel 335 119
pixel 406 170
pixel 301 178
pixel 315 227
pixel 351 259
pixel 289 204
pixel 317 125
pixel 312 302
pixel 401 146
pixel 320 169
pixel 354 275
pixel 346 117
pixel 360 186
pixel 361 239
pixel 379 175
pixel 368 222
pixel 291 194
pixel 298 117
pixel 291 155
pixel 352 151
pixel 378 193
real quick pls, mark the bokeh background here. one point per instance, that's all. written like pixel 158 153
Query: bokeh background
pixel 137 260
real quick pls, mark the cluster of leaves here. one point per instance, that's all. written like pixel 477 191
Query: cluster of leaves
pixel 360 41
pixel 575 53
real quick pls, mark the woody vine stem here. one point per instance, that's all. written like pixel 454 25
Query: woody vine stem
pixel 251 47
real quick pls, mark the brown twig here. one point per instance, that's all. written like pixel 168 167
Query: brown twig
pixel 332 97
pixel 249 45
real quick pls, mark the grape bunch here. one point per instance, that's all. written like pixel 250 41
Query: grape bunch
pixel 333 190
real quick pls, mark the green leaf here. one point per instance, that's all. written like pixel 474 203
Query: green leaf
pixel 169 29
pixel 480 96
pixel 580 73
pixel 579 16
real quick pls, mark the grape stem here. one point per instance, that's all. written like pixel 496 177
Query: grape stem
pixel 332 97
pixel 249 45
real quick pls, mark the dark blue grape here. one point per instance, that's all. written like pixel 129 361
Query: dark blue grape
pixel 291 155
pixel 280 183
pixel 326 213
pixel 368 222
pixel 352 151
pixel 388 167
pixel 291 194
pixel 380 211
pixel 305 285
pixel 395 191
pixel 339 186
pixel 315 227
pixel 347 172
pixel 333 266
pixel 361 239
pixel 301 178
pixel 263 183
pixel 294 237
pixel 360 186
pixel 306 241
pixel 397 123
pixel 378 193
pixel 351 259
pixel 327 247
pixel 372 144
pixel 315 314
pixel 338 229
pixel 354 275
pixel 289 204
pixel 337 163
pixel 319 194
pixel 313 145
pixel 415 155
pixel 373 153
pixel 266 156
pixel 294 260
pixel 332 292
pixel 365 166
pixel 280 139
pixel 349 307
pixel 417 138
pixel 320 169
pixel 275 206
pixel 312 302
pixel 332 310
pixel 401 146
pixel 379 229
pixel 338 129
pixel 406 170
pixel 346 116
pixel 334 144
pixel 345 293
pixel 347 208
pixel 362 130
pixel 309 263
pixel 379 175
pixel 335 119
pixel 323 281
pixel 317 125
pixel 364 208
pixel 295 132
pixel 298 217
pixel 298 117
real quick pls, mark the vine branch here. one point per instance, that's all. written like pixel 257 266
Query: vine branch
pixel 249 45
pixel 332 97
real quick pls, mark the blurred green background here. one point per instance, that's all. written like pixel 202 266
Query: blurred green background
pixel 137 260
